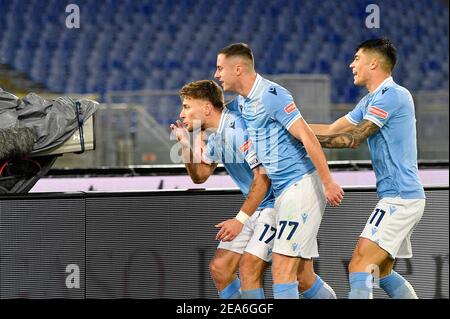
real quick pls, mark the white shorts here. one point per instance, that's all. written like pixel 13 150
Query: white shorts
pixel 257 235
pixel 391 224
pixel 300 209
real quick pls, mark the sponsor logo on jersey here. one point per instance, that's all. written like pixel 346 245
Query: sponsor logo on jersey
pixel 244 147
pixel 290 108
pixel 378 112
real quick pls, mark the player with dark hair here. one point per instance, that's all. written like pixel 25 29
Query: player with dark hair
pixel 302 183
pixel 246 240
pixel 385 118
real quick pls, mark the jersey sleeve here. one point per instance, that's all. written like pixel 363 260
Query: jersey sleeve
pixel 357 114
pixel 280 106
pixel 382 108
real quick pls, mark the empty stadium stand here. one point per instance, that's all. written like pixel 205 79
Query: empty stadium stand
pixel 161 44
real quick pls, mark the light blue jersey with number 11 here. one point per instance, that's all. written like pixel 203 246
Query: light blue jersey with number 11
pixel 393 147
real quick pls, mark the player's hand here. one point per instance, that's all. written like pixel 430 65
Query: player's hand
pixel 229 229
pixel 334 193
pixel 181 133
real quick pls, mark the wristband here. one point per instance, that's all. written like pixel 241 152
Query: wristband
pixel 242 217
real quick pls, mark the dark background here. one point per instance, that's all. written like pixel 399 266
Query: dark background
pixel 158 244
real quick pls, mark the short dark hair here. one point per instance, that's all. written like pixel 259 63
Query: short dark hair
pixel 238 49
pixel 382 46
pixel 204 90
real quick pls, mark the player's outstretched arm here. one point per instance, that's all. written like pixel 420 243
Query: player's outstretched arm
pixel 350 138
pixel 230 228
pixel 197 170
pixel 341 125
pixel 301 130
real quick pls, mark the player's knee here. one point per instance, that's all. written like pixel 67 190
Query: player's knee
pixel 219 270
pixel 215 267
pixel 356 261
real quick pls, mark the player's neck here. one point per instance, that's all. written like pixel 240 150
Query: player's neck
pixel 376 82
pixel 214 121
pixel 247 84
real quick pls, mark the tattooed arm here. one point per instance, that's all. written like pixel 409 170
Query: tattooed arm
pixel 350 139
pixel 341 125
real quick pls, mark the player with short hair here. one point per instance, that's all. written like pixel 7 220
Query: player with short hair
pixel 302 183
pixel 385 117
pixel 250 234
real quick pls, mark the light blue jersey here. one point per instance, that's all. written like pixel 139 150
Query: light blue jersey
pixel 394 147
pixel 269 111
pixel 231 145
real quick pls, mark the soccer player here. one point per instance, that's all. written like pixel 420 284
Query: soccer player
pixel 302 184
pixel 250 234
pixel 385 117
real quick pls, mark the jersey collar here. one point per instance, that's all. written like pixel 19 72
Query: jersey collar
pixel 389 79
pixel 255 85
pixel 222 120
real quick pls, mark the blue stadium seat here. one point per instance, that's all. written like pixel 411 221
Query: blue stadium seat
pixel 130 44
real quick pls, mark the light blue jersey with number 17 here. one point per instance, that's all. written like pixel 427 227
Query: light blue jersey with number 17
pixel 231 146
